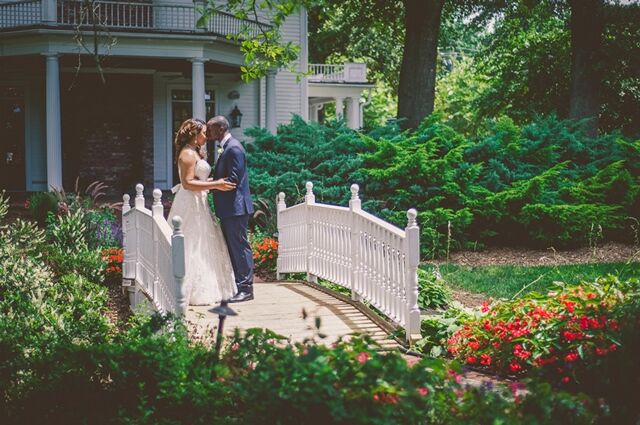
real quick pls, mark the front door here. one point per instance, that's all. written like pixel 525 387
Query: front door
pixel 181 107
pixel 12 139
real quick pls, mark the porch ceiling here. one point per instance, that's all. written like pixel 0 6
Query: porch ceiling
pixel 132 45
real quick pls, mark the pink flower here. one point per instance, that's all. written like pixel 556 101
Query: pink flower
pixel 485 307
pixel 423 391
pixel 362 357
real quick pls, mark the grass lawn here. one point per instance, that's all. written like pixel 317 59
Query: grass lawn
pixel 507 281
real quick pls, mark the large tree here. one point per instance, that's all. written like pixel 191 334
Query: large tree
pixel 416 93
pixel 587 26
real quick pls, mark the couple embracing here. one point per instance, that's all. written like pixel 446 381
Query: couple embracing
pixel 218 257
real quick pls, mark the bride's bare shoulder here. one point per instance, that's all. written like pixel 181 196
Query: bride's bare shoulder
pixel 188 157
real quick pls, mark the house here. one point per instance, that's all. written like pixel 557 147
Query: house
pixel 61 121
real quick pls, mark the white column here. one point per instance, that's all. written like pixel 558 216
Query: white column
pixel 53 128
pixel 49 11
pixel 197 88
pixel 353 112
pixel 339 107
pixel 272 125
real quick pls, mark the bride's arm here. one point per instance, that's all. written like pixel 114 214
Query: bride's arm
pixel 187 163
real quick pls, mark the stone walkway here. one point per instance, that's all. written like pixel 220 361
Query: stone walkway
pixel 279 306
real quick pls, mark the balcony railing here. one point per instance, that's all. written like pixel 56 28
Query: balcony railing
pixel 121 15
pixel 343 73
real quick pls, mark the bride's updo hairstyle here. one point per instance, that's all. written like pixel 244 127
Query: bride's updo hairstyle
pixel 187 133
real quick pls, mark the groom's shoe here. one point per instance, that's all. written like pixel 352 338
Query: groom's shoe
pixel 241 296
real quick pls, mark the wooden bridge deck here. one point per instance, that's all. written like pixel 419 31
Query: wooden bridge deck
pixel 278 306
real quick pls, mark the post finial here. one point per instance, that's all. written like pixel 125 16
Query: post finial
pixel 177 224
pixel 157 196
pixel 126 205
pixel 355 189
pixel 310 198
pixel 281 197
pixel 412 214
pixel 139 190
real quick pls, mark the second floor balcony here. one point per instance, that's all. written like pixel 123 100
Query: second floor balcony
pixel 140 16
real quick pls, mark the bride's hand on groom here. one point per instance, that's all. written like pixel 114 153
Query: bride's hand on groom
pixel 223 185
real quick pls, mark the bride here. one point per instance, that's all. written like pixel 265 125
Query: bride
pixel 209 275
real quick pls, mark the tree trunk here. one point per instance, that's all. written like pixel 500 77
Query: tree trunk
pixel 417 89
pixel 587 27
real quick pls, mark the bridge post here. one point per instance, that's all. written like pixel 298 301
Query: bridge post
pixel 178 263
pixel 355 205
pixel 309 200
pixel 157 212
pixel 281 206
pixel 128 244
pixel 139 201
pixel 412 252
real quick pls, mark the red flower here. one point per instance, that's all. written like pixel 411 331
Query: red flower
pixel 566 379
pixel 569 305
pixel 472 359
pixel 571 357
pixel 515 366
pixel 474 344
pixel 362 357
pixel 423 391
pixel 485 359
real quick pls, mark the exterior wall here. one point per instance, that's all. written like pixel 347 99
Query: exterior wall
pixel 107 130
pixel 289 91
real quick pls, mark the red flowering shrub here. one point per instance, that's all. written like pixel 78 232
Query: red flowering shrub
pixel 114 258
pixel 265 255
pixel 562 334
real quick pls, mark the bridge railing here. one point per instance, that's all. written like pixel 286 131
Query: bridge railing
pixel 154 258
pixel 349 247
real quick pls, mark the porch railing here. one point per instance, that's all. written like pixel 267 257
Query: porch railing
pixel 121 15
pixel 343 73
pixel 349 247
pixel 154 261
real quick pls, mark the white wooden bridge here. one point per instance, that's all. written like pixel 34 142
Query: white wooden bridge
pixel 376 261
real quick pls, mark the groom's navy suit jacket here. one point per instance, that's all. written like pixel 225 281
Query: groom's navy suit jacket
pixel 232 164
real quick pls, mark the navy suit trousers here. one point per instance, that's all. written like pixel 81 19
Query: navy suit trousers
pixel 235 233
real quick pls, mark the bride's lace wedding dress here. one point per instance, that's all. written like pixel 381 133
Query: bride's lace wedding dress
pixel 209 275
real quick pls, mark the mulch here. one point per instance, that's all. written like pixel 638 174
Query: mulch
pixel 610 252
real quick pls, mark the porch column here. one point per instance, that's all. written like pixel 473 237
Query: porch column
pixel 49 11
pixel 197 88
pixel 271 112
pixel 339 107
pixel 313 112
pixel 353 112
pixel 53 127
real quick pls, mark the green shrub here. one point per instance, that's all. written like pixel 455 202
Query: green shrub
pixel 543 183
pixel 41 204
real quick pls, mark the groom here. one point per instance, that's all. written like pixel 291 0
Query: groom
pixel 234 207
